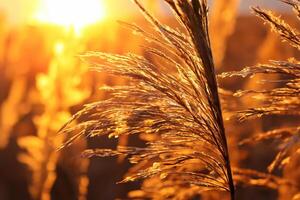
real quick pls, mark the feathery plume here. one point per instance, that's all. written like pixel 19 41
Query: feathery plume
pixel 282 100
pixel 176 99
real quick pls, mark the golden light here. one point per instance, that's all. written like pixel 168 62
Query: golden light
pixel 70 13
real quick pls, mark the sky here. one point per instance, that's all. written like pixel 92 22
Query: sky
pixel 273 4
pixel 18 11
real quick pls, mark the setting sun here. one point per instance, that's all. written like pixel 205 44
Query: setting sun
pixel 70 13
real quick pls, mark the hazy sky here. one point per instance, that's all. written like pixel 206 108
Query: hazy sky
pixel 18 11
pixel 274 4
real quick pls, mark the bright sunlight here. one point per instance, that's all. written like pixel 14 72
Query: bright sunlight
pixel 70 13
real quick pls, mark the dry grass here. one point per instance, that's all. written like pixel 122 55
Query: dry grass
pixel 176 101
pixel 182 109
pixel 283 99
pixel 40 155
pixel 171 101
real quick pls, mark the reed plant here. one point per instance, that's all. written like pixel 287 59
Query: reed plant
pixel 176 100
pixel 283 99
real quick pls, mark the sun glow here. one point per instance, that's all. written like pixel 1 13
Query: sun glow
pixel 70 13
